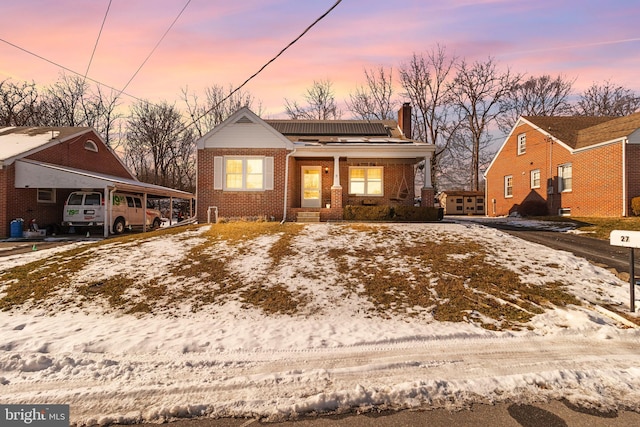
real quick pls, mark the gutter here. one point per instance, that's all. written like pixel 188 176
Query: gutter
pixel 286 185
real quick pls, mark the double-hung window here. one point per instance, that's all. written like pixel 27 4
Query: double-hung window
pixel 565 178
pixel 535 178
pixel 522 143
pixel 508 186
pixel 365 180
pixel 243 173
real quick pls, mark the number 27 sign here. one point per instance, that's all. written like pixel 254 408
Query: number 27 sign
pixel 626 238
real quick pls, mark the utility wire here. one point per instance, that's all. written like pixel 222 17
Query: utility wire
pixel 97 40
pixel 195 120
pixel 156 46
pixel 70 70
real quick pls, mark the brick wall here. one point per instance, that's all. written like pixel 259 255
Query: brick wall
pixel 597 178
pixel 238 204
pixel 23 202
pixel 597 183
pixel 72 153
pixel 271 203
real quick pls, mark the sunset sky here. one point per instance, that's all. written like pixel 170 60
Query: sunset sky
pixel 225 42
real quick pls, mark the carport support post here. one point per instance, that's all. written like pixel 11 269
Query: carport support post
pixel 632 281
pixel 107 213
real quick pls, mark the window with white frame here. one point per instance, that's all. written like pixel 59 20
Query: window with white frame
pixel 508 186
pixel 46 195
pixel 365 180
pixel 535 178
pixel 522 143
pixel 244 173
pixel 565 178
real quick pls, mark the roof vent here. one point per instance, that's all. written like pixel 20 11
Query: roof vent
pixel 244 119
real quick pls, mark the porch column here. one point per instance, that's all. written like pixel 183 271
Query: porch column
pixel 426 193
pixel 336 188
pixel 427 173
pixel 336 171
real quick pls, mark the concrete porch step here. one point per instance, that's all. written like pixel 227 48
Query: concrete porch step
pixel 308 217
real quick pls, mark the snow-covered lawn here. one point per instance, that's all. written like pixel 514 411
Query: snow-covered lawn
pixel 323 317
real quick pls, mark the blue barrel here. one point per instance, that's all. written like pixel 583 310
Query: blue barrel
pixel 16 228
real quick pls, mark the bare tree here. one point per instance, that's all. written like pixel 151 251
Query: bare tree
pixel 536 96
pixel 375 100
pixel 426 82
pixel 158 146
pixel 216 107
pixel 321 103
pixel 18 103
pixel 607 99
pixel 479 91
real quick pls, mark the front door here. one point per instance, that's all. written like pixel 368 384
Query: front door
pixel 311 187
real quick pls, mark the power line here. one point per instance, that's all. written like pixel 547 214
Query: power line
pixel 70 70
pixel 156 46
pixel 97 40
pixel 195 120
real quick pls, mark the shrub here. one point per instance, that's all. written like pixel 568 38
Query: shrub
pixel 635 206
pixel 392 213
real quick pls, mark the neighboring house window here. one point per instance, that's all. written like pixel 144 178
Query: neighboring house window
pixel 508 186
pixel 458 208
pixel 91 146
pixel 535 178
pixel 522 143
pixel 458 200
pixel 565 178
pixel 365 181
pixel 46 195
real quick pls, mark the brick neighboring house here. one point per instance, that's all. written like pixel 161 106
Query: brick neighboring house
pixel 459 202
pixel 578 166
pixel 41 166
pixel 290 169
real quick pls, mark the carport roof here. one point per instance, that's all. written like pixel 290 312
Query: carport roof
pixel 33 174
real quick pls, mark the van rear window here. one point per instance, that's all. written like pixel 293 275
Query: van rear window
pixel 92 199
pixel 75 199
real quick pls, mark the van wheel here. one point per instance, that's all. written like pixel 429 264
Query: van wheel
pixel 118 226
pixel 156 223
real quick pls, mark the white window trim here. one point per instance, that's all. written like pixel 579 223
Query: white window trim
pixel 53 195
pixel 506 179
pixel 90 145
pixel 561 169
pixel 522 144
pixel 219 173
pixel 366 193
pixel 533 184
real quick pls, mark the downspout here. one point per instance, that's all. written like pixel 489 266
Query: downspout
pixel 624 177
pixel 286 184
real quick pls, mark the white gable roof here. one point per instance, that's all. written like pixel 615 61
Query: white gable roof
pixel 244 129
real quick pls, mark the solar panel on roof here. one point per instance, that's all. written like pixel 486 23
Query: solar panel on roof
pixel 329 128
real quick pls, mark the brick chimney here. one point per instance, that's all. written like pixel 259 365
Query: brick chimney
pixel 404 120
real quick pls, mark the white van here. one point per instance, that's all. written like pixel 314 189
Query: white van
pixel 87 209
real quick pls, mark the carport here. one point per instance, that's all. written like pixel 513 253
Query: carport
pixel 34 174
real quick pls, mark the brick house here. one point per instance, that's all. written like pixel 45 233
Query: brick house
pixel 295 169
pixel 41 166
pixel 460 202
pixel 578 166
